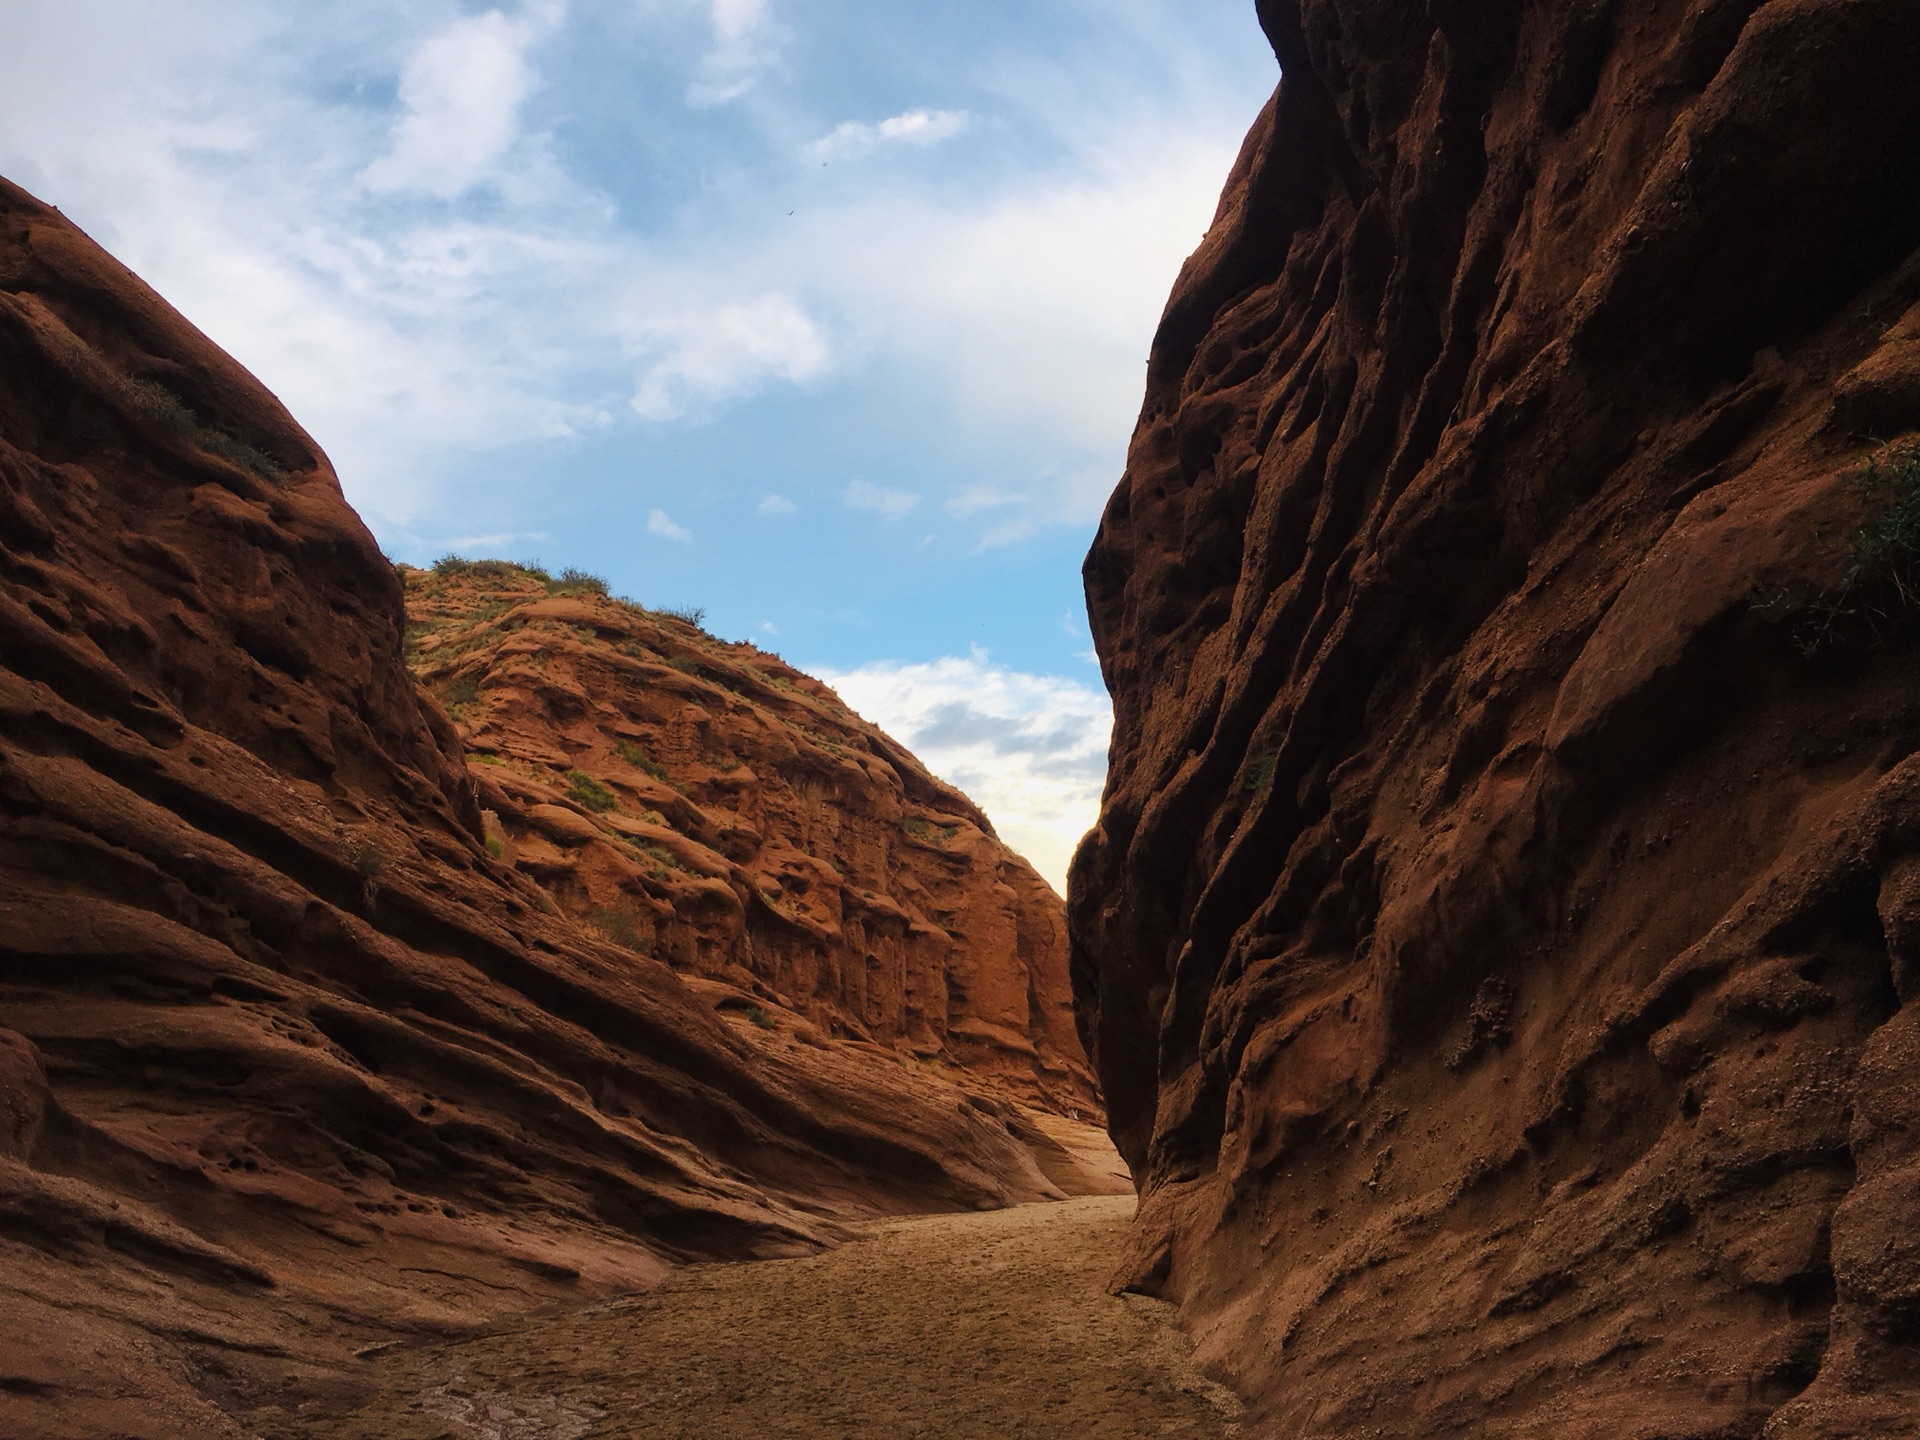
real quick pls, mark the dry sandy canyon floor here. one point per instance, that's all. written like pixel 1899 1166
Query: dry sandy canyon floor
pixel 949 1327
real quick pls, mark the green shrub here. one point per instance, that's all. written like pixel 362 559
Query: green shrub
pixel 760 1017
pixel 589 793
pixel 931 834
pixel 496 847
pixel 637 756
pixel 1882 578
pixel 662 857
pixel 464 690
pixel 625 926
pixel 577 582
pixel 1260 775
pixel 366 859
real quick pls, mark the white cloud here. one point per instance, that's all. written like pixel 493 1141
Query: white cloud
pixel 703 357
pixel 224 150
pixel 462 88
pixel 1030 750
pixel 661 524
pixel 889 504
pixel 914 127
pixel 777 505
pixel 975 498
pixel 493 542
pixel 744 43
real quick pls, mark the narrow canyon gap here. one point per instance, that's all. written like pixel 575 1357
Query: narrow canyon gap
pixel 1497 946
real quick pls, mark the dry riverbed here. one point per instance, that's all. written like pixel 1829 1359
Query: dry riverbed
pixel 950 1327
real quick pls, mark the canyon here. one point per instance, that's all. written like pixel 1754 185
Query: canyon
pixel 1497 944
pixel 1497 960
pixel 315 1037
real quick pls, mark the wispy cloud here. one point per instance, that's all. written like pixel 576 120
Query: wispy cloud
pixel 777 505
pixel 745 40
pixel 493 542
pixel 661 524
pixel 1030 750
pixel 913 127
pixel 889 504
pixel 462 89
pixel 703 357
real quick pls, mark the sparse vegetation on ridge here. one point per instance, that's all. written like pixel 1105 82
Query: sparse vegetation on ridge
pixel 155 403
pixel 570 581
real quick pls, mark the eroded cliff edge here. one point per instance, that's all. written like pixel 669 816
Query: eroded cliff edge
pixel 290 1062
pixel 1498 944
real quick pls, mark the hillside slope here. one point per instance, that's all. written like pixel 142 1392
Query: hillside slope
pixel 1498 943
pixel 289 1061
pixel 708 804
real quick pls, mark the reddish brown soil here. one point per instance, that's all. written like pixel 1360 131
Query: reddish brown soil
pixel 289 1062
pixel 748 828
pixel 1498 944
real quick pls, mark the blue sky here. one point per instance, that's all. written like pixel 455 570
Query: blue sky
pixel 829 317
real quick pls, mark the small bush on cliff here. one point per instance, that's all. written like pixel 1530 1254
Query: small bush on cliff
pixel 694 615
pixel 637 756
pixel 1260 774
pixel 160 405
pixel 663 859
pixel 1886 549
pixel 589 793
pixel 625 926
pixel 1882 578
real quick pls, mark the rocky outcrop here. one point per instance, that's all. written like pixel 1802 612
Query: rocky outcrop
pixel 1498 943
pixel 289 1062
pixel 704 802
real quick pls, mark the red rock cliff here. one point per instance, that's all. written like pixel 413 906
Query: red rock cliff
pixel 288 1059
pixel 1498 945
pixel 707 803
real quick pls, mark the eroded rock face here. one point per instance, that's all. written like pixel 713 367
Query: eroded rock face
pixel 1497 944
pixel 289 1062
pixel 706 803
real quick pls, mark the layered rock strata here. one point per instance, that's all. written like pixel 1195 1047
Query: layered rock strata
pixel 704 802
pixel 289 1062
pixel 1498 943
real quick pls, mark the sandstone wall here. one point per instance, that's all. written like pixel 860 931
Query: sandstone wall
pixel 738 821
pixel 1497 947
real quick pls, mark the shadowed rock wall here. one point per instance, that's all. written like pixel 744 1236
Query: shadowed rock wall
pixel 1498 944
